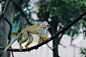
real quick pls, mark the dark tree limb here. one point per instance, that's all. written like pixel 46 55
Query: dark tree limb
pixel 57 34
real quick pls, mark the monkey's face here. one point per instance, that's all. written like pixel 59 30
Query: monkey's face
pixel 45 25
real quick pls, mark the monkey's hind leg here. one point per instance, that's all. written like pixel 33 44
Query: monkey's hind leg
pixel 22 41
pixel 25 35
pixel 30 37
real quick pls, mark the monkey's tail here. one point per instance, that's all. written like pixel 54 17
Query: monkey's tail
pixel 19 35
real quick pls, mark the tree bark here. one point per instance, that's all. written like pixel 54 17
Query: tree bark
pixel 53 30
pixel 4 26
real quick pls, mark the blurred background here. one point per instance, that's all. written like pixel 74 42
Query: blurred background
pixel 58 13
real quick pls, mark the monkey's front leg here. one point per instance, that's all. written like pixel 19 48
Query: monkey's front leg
pixel 39 41
pixel 44 37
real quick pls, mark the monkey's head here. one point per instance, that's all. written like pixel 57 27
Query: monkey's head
pixel 45 25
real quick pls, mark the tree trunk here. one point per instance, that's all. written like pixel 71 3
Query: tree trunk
pixel 4 26
pixel 53 30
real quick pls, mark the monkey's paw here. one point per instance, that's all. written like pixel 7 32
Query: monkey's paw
pixel 26 48
pixel 48 39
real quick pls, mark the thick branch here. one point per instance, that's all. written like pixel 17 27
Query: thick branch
pixel 63 29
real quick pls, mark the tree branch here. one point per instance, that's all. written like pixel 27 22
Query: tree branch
pixel 22 12
pixel 46 41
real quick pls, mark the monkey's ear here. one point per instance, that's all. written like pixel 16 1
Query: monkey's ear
pixel 42 25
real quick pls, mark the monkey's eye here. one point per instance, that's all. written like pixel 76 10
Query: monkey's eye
pixel 46 23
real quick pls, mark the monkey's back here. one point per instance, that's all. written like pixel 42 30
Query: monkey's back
pixel 33 29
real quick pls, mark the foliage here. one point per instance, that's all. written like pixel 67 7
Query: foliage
pixel 62 11
pixel 83 51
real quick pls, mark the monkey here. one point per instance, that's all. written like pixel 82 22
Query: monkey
pixel 27 34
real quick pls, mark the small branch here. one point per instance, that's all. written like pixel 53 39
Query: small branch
pixel 22 12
